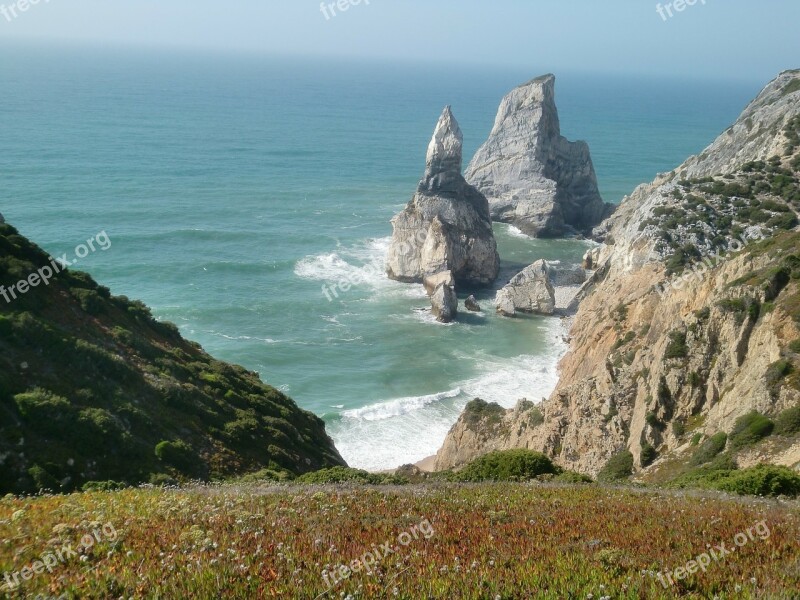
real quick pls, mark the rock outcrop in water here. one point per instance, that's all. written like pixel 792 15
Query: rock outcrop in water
pixel 529 291
pixel 446 226
pixel 535 178
pixel 678 338
pixel 444 303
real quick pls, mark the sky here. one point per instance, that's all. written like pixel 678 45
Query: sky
pixel 723 39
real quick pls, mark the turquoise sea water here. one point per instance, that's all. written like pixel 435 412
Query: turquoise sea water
pixel 234 188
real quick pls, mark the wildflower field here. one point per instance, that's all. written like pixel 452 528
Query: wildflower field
pixel 487 541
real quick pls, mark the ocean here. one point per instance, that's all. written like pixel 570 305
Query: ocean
pixel 235 188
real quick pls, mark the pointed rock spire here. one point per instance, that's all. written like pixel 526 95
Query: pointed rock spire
pixel 445 153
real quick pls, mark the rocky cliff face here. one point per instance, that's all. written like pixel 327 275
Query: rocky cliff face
pixel 533 177
pixel 691 323
pixel 446 226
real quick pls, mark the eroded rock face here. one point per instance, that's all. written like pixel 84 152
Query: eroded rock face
pixel 446 226
pixel 533 177
pixel 560 274
pixel 529 291
pixel 655 365
pixel 431 282
pixel 444 303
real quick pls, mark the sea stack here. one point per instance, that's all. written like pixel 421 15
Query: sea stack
pixel 534 177
pixel 446 226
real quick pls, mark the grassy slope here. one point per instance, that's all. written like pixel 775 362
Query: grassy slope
pixel 90 384
pixel 489 541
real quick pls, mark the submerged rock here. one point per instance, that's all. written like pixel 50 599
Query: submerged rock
pixel 529 291
pixel 534 177
pixel 471 304
pixel 446 226
pixel 444 303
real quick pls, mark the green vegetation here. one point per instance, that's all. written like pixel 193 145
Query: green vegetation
pixel 788 422
pixel 709 449
pixel 701 216
pixel 763 480
pixel 93 389
pixel 508 465
pixel 509 540
pixel 347 475
pixel 775 375
pixel 536 417
pixel 648 455
pixel 618 468
pixel 481 413
pixel 677 347
pixel 572 477
pixel 741 308
pixel 749 429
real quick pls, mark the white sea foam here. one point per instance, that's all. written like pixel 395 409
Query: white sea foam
pixel 387 434
pixel 362 264
pixel 397 407
pixel 517 232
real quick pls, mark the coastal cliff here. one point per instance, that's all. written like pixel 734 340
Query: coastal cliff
pixel 534 177
pixel 691 329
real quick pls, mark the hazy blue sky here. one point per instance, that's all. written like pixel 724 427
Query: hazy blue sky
pixel 723 38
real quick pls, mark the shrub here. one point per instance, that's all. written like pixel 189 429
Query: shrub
pixel 763 480
pixel 103 486
pixel 678 429
pixel 536 417
pixel 775 375
pixel 348 475
pixel 45 412
pixel 648 455
pixel 709 449
pixel 572 477
pixel 479 411
pixel 89 300
pixel 43 480
pixel 618 467
pixel 178 455
pixel 788 422
pixel 677 347
pixel 653 420
pixel 508 465
pixel 749 429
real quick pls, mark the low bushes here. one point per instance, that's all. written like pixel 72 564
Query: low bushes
pixel 788 422
pixel 709 449
pixel 509 465
pixel 348 475
pixel 618 468
pixel 749 429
